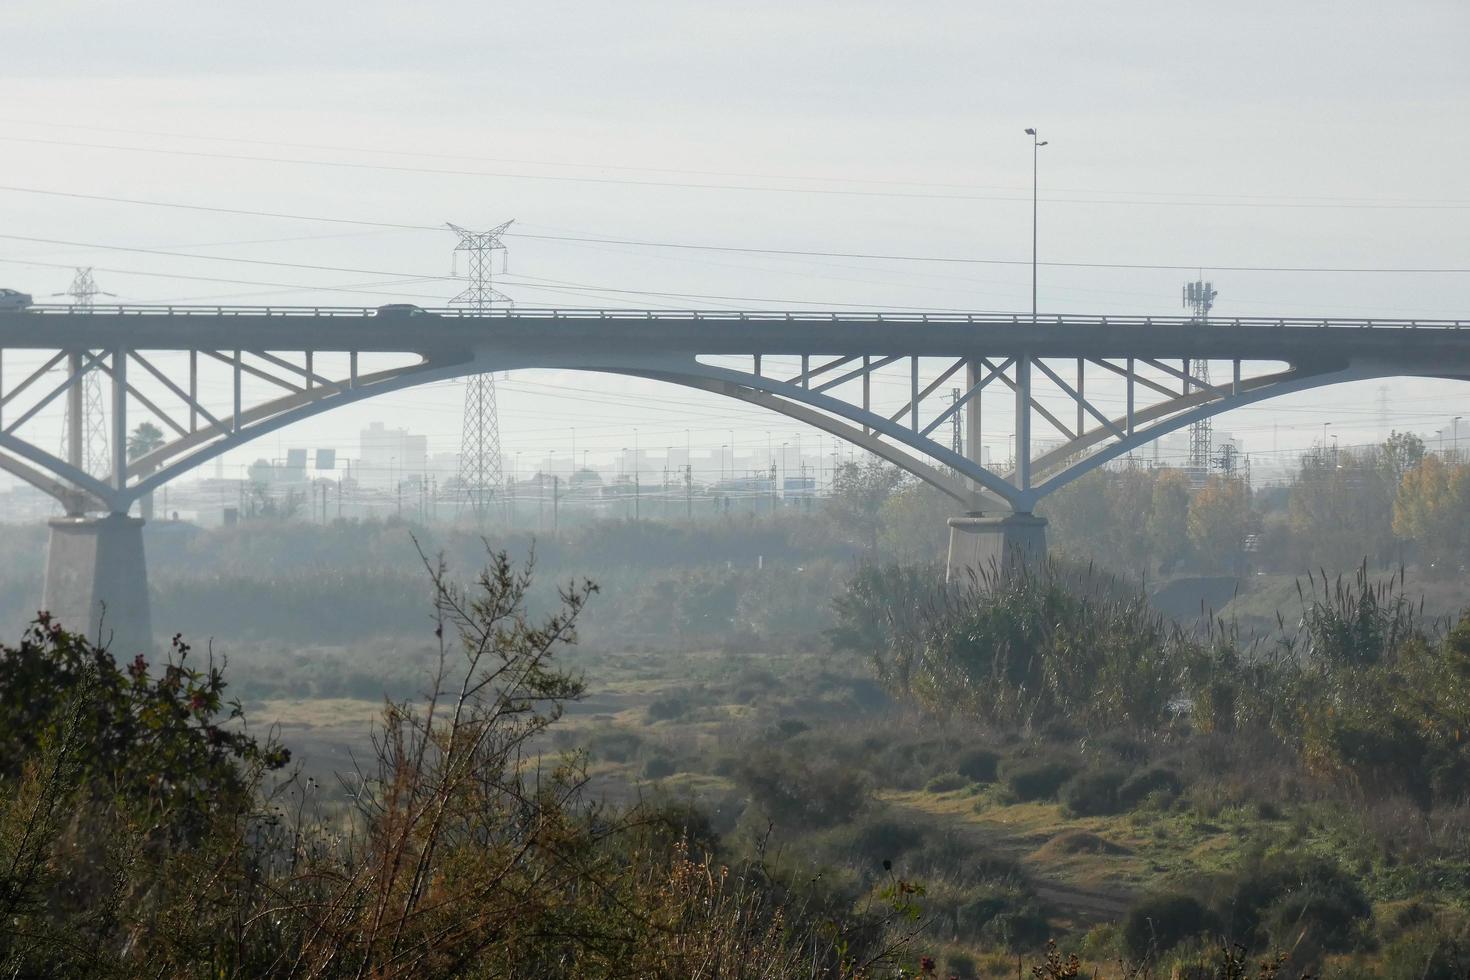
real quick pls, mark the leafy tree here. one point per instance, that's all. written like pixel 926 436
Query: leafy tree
pixel 1168 519
pixel 859 491
pixel 1341 505
pixel 144 439
pixel 1431 508
pixel 1401 452
pixel 912 523
pixel 169 738
pixel 1217 521
pixel 1130 506
pixel 1080 516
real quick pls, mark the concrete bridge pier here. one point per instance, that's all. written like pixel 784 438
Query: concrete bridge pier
pixel 990 546
pixel 97 581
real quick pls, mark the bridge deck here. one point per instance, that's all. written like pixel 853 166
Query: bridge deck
pixel 1292 339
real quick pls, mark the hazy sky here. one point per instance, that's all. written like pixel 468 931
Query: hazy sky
pixel 1226 134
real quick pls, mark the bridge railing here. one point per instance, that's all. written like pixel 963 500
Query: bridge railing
pixel 732 316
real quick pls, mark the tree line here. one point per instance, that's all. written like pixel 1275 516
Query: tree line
pixel 1388 504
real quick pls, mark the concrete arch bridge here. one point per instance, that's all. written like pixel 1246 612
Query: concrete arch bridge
pixel 1068 393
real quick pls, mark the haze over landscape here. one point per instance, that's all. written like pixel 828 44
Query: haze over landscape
pixel 661 490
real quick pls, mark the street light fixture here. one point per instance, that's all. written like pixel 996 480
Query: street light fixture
pixel 1036 144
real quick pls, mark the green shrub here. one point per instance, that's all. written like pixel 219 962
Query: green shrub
pixel 658 767
pixel 1254 905
pixel 1018 929
pixel 901 760
pixel 668 707
pixel 1001 912
pixel 946 782
pixel 958 963
pixel 1425 954
pixel 1125 745
pixel 1037 777
pixel 1315 918
pixel 1141 785
pixel 1060 651
pixel 799 794
pixel 1158 923
pixel 1093 792
pixel 979 765
pixel 616 745
pixel 872 839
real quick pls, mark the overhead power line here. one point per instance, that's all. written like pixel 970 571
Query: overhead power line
pixel 600 165
pixel 753 188
pixel 246 212
pixel 1352 270
pixel 973 261
pixel 549 285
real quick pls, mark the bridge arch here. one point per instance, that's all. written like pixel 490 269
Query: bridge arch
pixel 692 350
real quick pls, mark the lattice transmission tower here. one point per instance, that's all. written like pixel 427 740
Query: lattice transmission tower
pixel 480 473
pixel 956 430
pixel 1199 297
pixel 93 456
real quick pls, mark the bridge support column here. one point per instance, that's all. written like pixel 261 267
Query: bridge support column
pixel 991 546
pixel 97 581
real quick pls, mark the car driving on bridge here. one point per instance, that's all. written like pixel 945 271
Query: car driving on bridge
pixel 402 309
pixel 12 299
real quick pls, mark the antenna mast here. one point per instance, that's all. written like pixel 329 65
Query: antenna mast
pixel 480 474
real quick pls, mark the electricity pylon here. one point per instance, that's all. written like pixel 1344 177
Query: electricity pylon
pixel 92 455
pixel 480 474
pixel 1198 298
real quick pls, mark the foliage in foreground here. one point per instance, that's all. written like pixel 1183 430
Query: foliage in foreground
pixel 457 855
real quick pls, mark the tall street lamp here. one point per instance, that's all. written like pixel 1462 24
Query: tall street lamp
pixel 1036 144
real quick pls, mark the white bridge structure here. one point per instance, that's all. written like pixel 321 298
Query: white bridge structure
pixel 1071 392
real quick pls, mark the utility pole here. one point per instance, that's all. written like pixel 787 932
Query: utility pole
pixel 479 461
pixel 1199 297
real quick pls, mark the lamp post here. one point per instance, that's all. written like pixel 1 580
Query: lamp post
pixel 1036 144
pixel 1455 428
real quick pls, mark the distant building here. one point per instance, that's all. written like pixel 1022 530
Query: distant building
pixel 386 456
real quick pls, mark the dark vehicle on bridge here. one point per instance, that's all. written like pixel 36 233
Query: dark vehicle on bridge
pixel 402 309
pixel 12 299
